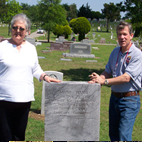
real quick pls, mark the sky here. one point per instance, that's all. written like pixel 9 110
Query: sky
pixel 95 5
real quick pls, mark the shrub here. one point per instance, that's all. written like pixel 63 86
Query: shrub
pixel 65 23
pixel 72 22
pixel 81 26
pixel 67 31
pixel 58 30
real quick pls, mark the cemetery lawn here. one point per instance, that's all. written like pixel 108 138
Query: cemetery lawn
pixel 76 70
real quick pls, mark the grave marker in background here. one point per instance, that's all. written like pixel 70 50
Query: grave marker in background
pixel 82 50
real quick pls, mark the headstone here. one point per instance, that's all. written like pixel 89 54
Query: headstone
pixel 91 41
pixel 41 57
pixel 38 43
pixel 111 35
pixel 53 74
pixel 56 46
pixel 91 61
pixel 31 40
pixel 72 111
pixel 102 40
pixel 46 51
pixel 63 59
pixel 61 39
pixel 95 48
pixel 66 45
pixel 85 41
pixel 80 50
pixel 93 34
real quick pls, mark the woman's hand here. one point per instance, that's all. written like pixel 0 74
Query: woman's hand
pixel 46 78
pixel 49 79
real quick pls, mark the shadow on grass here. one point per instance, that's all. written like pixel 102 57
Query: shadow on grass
pixel 80 74
pixel 37 111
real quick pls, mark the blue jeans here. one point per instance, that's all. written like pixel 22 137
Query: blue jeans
pixel 122 114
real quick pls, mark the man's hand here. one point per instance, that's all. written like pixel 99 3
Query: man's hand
pixel 95 78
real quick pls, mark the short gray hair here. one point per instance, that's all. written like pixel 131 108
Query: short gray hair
pixel 22 17
pixel 122 25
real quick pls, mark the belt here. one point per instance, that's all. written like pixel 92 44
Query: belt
pixel 125 94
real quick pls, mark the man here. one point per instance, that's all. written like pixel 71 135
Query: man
pixel 124 66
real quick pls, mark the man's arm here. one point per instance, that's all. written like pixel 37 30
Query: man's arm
pixel 95 78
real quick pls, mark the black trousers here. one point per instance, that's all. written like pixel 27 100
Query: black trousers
pixel 13 120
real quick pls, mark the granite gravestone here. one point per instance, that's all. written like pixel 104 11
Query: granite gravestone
pixel 85 41
pixel 53 74
pixel 61 39
pixel 72 111
pixel 56 46
pixel 82 50
pixel 66 45
pixel 102 40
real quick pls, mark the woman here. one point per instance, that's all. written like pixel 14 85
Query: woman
pixel 18 66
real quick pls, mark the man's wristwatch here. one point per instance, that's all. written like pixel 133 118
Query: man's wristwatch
pixel 106 82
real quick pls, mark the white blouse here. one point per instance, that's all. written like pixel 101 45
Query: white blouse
pixel 17 70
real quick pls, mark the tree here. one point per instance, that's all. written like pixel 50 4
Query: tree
pixel 134 12
pixel 81 26
pixel 13 9
pixel 34 15
pixel 25 6
pixel 3 8
pixel 96 14
pixel 66 6
pixel 85 11
pixel 51 13
pixel 71 10
pixel 111 12
pixel 72 13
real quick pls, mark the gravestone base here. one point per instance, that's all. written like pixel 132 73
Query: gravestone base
pixel 72 111
pixel 78 55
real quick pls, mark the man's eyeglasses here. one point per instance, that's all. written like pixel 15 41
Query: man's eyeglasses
pixel 15 28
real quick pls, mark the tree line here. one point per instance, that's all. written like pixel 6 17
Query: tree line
pixel 48 13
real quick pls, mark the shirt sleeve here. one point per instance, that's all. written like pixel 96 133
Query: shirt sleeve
pixel 134 68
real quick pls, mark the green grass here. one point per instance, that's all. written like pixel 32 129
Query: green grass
pixel 35 130
pixel 77 70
